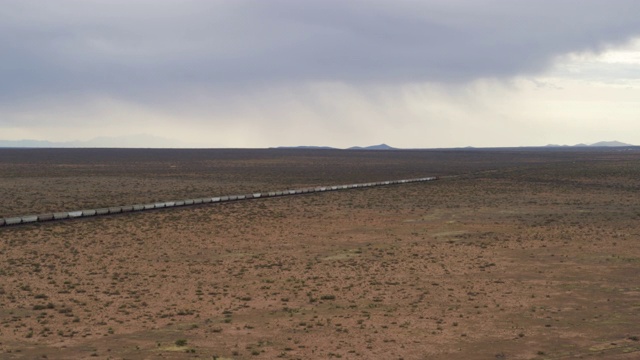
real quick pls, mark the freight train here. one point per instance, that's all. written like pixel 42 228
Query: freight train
pixel 26 219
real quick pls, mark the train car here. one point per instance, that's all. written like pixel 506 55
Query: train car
pixel 197 201
pixel 179 202
pixel 149 206
pixel 12 220
pixel 188 202
pixel 75 214
pixel 60 215
pixel 233 197
pixel 115 209
pixel 138 207
pixel 241 197
pixel 127 208
pixel 159 205
pixel 2 222
pixel 206 200
pixel 88 212
pixel 215 199
pixel 102 211
pixel 29 218
pixel 224 198
pixel 170 204
pixel 45 217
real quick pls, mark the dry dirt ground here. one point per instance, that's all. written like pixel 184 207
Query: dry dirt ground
pixel 512 255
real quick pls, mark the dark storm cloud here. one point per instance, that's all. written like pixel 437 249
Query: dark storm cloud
pixel 138 49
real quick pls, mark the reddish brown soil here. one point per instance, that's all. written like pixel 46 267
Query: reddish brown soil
pixel 522 255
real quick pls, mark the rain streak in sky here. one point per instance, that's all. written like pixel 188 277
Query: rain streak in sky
pixel 251 73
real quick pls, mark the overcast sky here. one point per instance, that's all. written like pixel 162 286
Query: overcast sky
pixel 261 73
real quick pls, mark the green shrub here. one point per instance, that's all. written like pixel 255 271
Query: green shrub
pixel 181 342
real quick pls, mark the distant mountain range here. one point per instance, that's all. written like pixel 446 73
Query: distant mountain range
pixel 130 141
pixel 598 144
pixel 387 147
pixel 372 147
pixel 149 141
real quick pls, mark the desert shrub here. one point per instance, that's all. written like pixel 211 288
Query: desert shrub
pixel 181 342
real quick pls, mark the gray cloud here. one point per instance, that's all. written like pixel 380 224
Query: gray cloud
pixel 149 49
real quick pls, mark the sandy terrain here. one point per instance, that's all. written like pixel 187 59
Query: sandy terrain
pixel 520 255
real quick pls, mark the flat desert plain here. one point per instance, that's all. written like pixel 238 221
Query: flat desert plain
pixel 512 254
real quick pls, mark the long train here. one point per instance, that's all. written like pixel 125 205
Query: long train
pixel 27 219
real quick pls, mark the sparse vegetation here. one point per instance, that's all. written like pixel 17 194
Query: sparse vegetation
pixel 181 342
pixel 486 264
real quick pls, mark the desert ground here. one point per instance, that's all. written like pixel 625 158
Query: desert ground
pixel 512 254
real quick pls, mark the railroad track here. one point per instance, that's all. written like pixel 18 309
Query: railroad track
pixel 67 215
